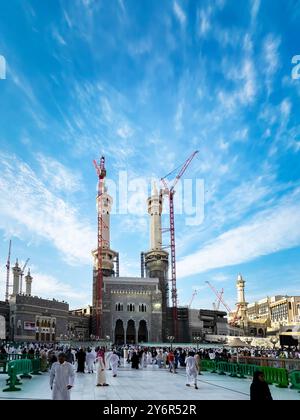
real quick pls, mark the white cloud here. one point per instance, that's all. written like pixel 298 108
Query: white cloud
pixel 58 176
pixel 203 19
pixel 125 131
pixel 57 36
pixel 47 286
pixel 255 6
pixel 270 231
pixel 178 116
pixel 271 59
pixel 220 278
pixel 33 211
pixel 243 76
pixel 179 13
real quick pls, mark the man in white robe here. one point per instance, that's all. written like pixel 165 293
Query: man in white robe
pixel 107 359
pixel 114 362
pixel 90 359
pixel 191 370
pixel 101 377
pixel 61 378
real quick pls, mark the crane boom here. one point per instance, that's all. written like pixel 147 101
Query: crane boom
pixel 8 272
pixel 193 297
pixel 219 296
pixel 170 191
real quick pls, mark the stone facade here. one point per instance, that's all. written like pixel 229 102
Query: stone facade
pixel 132 310
pixel 36 319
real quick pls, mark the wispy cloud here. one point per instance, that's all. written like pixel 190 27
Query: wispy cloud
pixel 179 13
pixel 271 59
pixel 29 207
pixel 58 37
pixel 270 231
pixel 58 176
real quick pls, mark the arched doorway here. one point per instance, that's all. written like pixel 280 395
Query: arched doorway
pixel 143 332
pixel 130 333
pixel 119 332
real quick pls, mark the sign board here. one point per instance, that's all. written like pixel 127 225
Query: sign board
pixel 2 328
pixel 29 326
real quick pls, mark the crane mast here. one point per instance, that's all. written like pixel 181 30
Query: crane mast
pixel 170 192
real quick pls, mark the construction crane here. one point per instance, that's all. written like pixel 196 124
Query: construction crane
pixel 216 306
pixel 220 298
pixel 101 173
pixel 170 192
pixel 193 297
pixel 22 273
pixel 8 272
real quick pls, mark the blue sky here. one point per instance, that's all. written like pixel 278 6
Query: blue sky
pixel 146 83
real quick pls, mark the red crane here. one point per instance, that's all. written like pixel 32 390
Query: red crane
pixel 170 191
pixel 193 297
pixel 8 273
pixel 101 173
pixel 220 298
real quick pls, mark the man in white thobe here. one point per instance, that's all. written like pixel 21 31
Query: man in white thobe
pixel 90 359
pixel 114 362
pixel 191 370
pixel 107 359
pixel 61 378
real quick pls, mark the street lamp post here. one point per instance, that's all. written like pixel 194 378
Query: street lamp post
pixel 197 340
pixel 171 338
pixel 274 341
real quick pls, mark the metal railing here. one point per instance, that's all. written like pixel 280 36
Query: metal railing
pixel 288 364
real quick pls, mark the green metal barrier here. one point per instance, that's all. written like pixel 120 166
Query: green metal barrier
pixel 276 376
pixel 36 366
pixel 295 379
pixel 17 367
pixel 209 365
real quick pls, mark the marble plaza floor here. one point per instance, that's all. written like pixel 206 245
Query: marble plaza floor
pixel 145 384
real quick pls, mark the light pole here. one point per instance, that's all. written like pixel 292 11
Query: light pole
pixel 171 338
pixel 197 340
pixel 274 341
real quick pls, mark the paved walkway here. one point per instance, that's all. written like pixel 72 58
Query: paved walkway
pixel 146 384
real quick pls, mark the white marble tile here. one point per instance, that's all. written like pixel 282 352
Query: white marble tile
pixel 143 384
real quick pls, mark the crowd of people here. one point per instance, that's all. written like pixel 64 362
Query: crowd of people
pixel 63 361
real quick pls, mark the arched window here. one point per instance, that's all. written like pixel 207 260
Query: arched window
pixel 130 307
pixel 119 307
pixel 142 308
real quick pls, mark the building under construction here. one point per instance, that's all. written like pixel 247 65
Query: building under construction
pixel 137 310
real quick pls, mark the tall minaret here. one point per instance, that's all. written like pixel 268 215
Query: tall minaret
pixel 16 282
pixel 241 302
pixel 28 281
pixel 155 210
pixel 108 256
pixel 156 259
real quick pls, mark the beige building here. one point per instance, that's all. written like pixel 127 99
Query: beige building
pixel 285 312
pixel 275 311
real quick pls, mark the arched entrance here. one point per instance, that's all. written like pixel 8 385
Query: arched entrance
pixel 143 332
pixel 119 332
pixel 130 333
